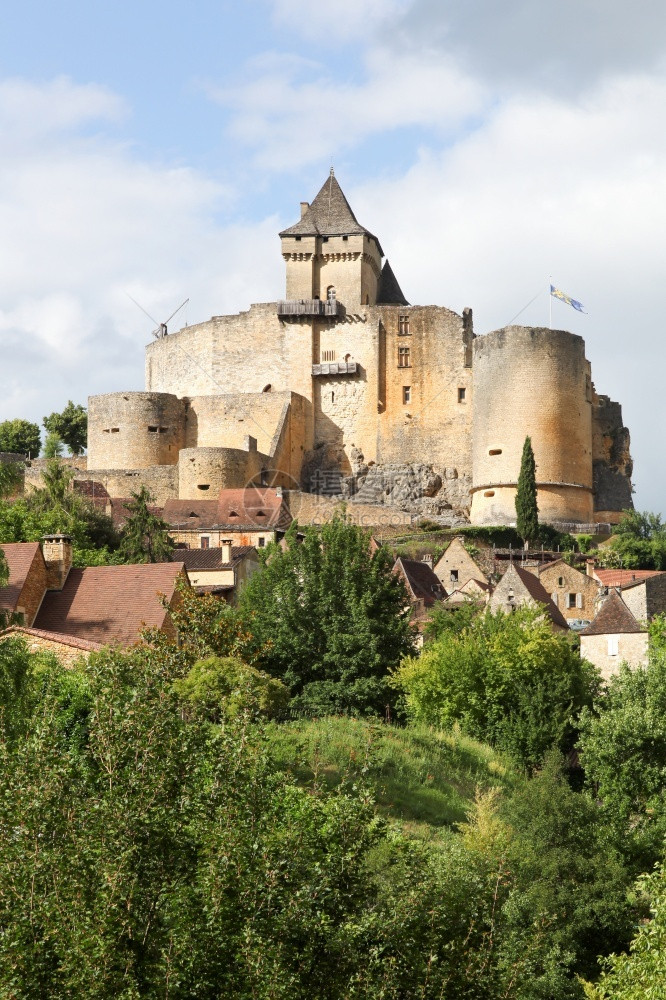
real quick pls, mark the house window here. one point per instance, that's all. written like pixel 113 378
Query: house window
pixel 612 645
pixel 571 601
pixel 403 357
pixel 461 395
pixel 454 576
pixel 403 326
pixel 560 581
pixel 205 541
pixel 261 542
pixel 406 394
pixel 330 293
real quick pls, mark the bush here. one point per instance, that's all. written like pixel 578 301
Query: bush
pixel 225 687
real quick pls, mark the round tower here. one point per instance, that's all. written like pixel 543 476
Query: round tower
pixel 135 430
pixel 536 383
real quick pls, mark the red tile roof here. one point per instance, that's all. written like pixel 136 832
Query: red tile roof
pixel 257 507
pixel 193 515
pixel 120 513
pixel 40 633
pixel 421 580
pixel 613 617
pixel 92 490
pixel 109 604
pixel 19 557
pixel 624 577
pixel 198 559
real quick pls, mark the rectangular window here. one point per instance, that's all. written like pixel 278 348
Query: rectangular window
pixel 403 326
pixel 571 600
pixel 461 395
pixel 328 355
pixel 262 543
pixel 403 357
pixel 205 541
pixel 612 645
pixel 454 576
pixel 406 394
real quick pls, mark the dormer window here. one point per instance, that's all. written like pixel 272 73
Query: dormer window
pixel 233 513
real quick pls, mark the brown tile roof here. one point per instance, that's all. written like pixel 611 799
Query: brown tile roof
pixel 255 507
pixel 329 215
pixel 212 558
pixel 421 579
pixel 92 490
pixel 120 513
pixel 613 618
pixel 109 604
pixel 389 291
pixel 540 595
pixel 19 557
pixel 40 633
pixel 194 515
pixel 624 577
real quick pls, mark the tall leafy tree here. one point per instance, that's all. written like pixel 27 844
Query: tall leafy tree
pixel 145 536
pixel 71 426
pixel 527 512
pixel 20 436
pixel 332 619
pixel 639 541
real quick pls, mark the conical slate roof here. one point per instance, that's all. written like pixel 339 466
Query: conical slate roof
pixel 389 292
pixel 329 215
pixel 613 618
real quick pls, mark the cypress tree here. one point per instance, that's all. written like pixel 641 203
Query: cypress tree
pixel 527 512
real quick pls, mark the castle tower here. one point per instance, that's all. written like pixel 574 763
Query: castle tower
pixel 536 383
pixel 329 255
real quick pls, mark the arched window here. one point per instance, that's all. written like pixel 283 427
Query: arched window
pixel 330 293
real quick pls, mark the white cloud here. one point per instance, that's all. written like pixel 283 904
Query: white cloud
pixel 292 111
pixel 329 23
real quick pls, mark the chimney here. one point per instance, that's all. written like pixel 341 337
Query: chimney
pixel 57 552
pixel 304 207
pixel 428 561
pixel 589 567
pixel 226 552
pixel 278 491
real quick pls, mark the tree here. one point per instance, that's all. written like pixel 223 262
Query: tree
pixel 225 687
pixel 52 446
pixel 622 748
pixel 332 619
pixel 145 536
pixel 527 512
pixel 71 426
pixel 20 436
pixel 10 478
pixel 505 679
pixel 639 541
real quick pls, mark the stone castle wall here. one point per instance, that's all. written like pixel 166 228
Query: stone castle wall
pixel 532 382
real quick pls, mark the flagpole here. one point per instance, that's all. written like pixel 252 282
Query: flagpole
pixel 550 303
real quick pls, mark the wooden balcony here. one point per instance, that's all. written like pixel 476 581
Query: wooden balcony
pixel 296 308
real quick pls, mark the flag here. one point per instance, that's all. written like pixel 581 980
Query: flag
pixel 557 294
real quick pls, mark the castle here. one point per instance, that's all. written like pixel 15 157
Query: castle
pixel 345 388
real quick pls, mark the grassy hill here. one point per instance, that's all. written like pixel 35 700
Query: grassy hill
pixel 423 779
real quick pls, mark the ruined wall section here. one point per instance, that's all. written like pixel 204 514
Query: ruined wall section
pixel 612 464
pixel 532 382
pixel 160 480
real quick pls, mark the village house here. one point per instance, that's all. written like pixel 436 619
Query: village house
pixel 100 604
pixel 456 566
pixel 68 649
pixel 614 637
pixel 222 571
pixel 519 587
pixel 471 590
pixel 423 587
pixel 573 592
pixel 253 516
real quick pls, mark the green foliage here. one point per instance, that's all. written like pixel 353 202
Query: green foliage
pixel 10 477
pixel 225 687
pixel 145 536
pixel 446 620
pixel 623 752
pixel 527 512
pixel 332 619
pixel 639 541
pixel 506 679
pixel 20 436
pixel 70 427
pixel 640 975
pixel 52 446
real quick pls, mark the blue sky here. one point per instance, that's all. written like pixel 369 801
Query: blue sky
pixel 157 149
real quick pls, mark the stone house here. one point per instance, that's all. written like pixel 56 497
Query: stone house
pixel 519 587
pixel 456 566
pixel 423 588
pixel 614 637
pixel 223 571
pixel 100 604
pixel 646 598
pixel 472 590
pixel 573 592
pixel 67 648
pixel 253 516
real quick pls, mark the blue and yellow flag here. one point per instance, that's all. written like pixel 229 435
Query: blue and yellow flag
pixel 557 294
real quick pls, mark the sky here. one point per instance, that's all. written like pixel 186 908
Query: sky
pixel 155 151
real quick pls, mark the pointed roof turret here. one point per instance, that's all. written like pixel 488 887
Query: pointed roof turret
pixel 329 215
pixel 389 292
